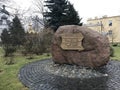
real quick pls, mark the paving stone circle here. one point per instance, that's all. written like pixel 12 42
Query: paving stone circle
pixel 35 77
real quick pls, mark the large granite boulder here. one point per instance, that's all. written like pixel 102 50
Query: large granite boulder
pixel 81 46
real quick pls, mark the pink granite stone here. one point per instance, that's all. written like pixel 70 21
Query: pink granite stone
pixel 96 51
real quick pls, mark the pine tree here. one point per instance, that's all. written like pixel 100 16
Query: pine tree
pixel 17 32
pixel 6 43
pixel 56 10
pixel 71 17
pixel 5 37
pixel 60 12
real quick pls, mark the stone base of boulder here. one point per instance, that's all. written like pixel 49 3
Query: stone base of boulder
pixel 45 75
pixel 73 71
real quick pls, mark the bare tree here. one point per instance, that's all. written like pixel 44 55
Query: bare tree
pixel 38 4
pixel 16 9
pixel 38 11
pixel 5 2
pixel 37 23
pixel 2 1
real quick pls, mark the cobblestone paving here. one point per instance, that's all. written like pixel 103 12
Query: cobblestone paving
pixel 34 76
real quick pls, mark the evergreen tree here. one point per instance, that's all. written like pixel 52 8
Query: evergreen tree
pixel 5 37
pixel 6 43
pixel 71 17
pixel 60 12
pixel 17 32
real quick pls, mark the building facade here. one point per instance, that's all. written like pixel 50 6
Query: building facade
pixel 108 26
pixel 4 19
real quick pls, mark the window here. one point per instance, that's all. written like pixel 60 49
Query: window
pixel 110 22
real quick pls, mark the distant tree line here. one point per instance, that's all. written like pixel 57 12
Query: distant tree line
pixel 15 38
pixel 58 13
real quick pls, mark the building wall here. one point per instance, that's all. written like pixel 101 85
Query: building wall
pixel 108 26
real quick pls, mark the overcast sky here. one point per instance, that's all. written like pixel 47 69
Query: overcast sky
pixel 88 8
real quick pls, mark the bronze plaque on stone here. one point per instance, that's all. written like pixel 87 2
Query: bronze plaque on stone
pixel 72 41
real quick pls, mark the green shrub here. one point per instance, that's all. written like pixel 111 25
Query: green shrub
pixel 115 45
pixel 8 50
pixel 9 60
pixel 38 43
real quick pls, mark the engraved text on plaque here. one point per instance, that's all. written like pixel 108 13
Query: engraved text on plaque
pixel 72 41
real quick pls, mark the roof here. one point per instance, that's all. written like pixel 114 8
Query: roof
pixel 4 10
pixel 4 17
pixel 104 17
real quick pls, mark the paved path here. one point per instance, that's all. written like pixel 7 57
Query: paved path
pixel 34 76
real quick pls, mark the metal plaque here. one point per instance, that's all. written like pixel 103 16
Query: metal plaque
pixel 72 41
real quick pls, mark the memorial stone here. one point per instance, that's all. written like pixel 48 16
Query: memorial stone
pixel 80 46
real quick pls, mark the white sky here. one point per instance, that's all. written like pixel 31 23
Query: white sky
pixel 88 8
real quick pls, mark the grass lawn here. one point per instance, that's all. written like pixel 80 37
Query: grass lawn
pixel 9 73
